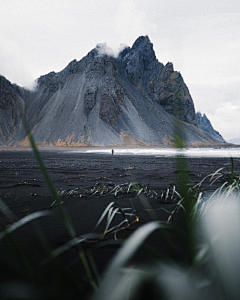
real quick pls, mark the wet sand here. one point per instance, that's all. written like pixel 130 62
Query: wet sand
pixel 24 190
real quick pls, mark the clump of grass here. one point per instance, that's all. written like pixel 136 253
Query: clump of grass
pixel 110 212
pixel 230 179
pixel 172 195
pixel 104 189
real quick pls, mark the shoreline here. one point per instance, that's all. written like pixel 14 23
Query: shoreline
pixel 41 147
pixel 156 152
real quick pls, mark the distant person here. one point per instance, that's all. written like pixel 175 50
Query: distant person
pixel 112 151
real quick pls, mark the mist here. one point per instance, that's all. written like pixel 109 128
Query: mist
pixel 104 49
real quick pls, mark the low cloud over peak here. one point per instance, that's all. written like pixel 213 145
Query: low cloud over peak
pixel 104 49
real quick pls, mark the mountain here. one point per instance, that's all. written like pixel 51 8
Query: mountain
pixel 204 124
pixel 132 99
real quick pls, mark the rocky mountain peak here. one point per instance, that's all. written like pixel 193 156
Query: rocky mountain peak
pixel 141 42
pixel 205 125
pixel 10 100
pixel 142 51
pixel 138 60
pixel 8 92
pixel 169 67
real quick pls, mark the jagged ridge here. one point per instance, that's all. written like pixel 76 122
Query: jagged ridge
pixel 102 100
pixel 205 124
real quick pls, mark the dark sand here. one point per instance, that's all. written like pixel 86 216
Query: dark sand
pixel 24 190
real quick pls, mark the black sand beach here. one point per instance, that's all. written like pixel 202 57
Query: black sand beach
pixel 24 190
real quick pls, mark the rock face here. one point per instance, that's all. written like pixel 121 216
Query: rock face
pixel 10 118
pixel 157 81
pixel 103 100
pixel 204 124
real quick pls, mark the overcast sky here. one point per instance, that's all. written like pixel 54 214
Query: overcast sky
pixel 200 37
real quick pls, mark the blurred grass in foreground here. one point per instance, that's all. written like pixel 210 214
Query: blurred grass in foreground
pixel 209 235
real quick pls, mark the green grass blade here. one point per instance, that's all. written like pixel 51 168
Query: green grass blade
pixel 116 229
pixel 139 192
pixel 6 211
pixel 129 186
pixel 66 246
pixel 132 244
pixel 56 197
pixel 104 214
pixel 23 221
pixel 216 173
pixel 46 175
pixel 111 215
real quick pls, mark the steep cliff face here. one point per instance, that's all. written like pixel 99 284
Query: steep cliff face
pixel 204 124
pixel 10 118
pixel 102 100
pixel 160 82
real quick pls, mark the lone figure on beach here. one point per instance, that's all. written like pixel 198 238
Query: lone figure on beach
pixel 112 151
